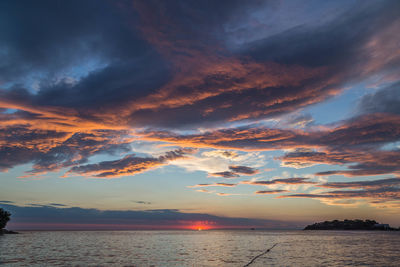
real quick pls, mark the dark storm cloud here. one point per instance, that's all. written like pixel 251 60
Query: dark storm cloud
pixel 355 45
pixel 94 42
pixel 166 64
pixel 330 43
pixel 49 217
pixel 328 55
pixel 49 37
pixel 71 69
pixel 386 100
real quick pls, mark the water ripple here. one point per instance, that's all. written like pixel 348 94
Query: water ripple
pixel 206 248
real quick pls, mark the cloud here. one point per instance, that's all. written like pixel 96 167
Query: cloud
pixel 143 202
pixel 288 181
pixel 213 184
pixel 205 191
pixel 359 162
pixel 162 93
pixel 245 138
pixel 343 144
pixel 355 142
pixel 375 191
pixel 386 100
pixel 225 174
pixel 221 153
pixel 363 184
pixel 243 170
pixel 210 162
pixel 382 194
pixel 235 171
pixel 297 121
pixel 187 73
pixel 129 165
pixel 57 204
pixel 266 192
pixel 168 66
pixel 109 61
pixel 52 218
pixel 375 128
pixel 52 150
pixel 376 163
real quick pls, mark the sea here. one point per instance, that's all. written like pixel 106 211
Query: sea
pixel 201 248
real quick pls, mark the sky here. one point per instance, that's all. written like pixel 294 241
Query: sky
pixel 199 114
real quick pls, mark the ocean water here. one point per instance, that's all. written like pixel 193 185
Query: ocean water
pixel 200 248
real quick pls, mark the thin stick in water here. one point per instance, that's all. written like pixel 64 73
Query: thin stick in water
pixel 256 257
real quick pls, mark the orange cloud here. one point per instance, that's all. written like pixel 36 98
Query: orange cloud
pixel 213 184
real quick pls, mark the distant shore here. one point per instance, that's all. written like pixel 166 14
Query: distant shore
pixel 367 225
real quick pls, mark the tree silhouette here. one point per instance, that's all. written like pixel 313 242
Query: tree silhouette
pixel 4 218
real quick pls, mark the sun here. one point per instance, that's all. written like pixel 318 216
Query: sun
pixel 200 226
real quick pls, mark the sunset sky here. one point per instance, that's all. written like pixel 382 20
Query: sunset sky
pixel 199 114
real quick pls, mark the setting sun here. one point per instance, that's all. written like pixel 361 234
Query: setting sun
pixel 201 225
